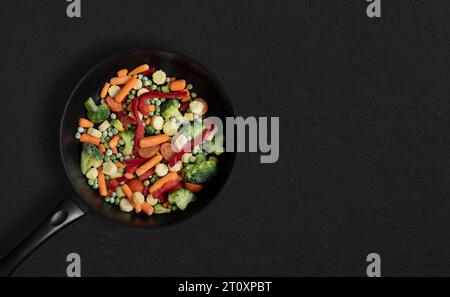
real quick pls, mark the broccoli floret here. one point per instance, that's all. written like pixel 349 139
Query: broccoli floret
pixel 97 114
pixel 169 109
pixel 91 156
pixel 181 198
pixel 199 158
pixel 127 137
pixel 200 172
pixel 159 209
pixel 215 146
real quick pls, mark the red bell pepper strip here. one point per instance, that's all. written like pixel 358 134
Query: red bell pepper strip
pixel 147 174
pixel 149 71
pixel 133 164
pixel 114 183
pixel 140 131
pixel 161 193
pixel 126 119
pixel 190 145
pixel 153 94
pixel 184 105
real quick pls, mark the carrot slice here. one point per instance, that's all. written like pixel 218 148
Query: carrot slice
pixel 126 89
pixel 104 90
pixel 102 147
pixel 126 189
pixel 194 188
pixel 153 140
pixel 119 165
pixel 113 104
pixel 139 69
pixel 147 208
pixel 102 183
pixel 163 180
pixel 84 123
pixel 148 165
pixel 117 81
pixel 90 139
pixel 177 85
pixel 122 72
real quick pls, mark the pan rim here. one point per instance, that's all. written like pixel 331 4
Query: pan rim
pixel 61 150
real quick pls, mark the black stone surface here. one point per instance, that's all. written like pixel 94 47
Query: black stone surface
pixel 364 157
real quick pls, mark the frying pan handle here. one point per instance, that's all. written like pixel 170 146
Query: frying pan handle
pixel 67 211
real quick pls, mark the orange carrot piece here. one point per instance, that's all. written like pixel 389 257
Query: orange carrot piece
pixel 126 189
pixel 114 142
pixel 119 165
pixel 149 108
pixel 117 81
pixel 148 121
pixel 137 207
pixel 126 89
pixel 153 140
pixel 194 188
pixel 128 176
pixel 148 165
pixel 102 147
pixel 90 139
pixel 147 208
pixel 84 123
pixel 104 90
pixel 177 85
pixel 122 72
pixel 139 69
pixel 102 183
pixel 163 180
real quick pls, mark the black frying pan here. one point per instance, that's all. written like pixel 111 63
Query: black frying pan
pixel 72 207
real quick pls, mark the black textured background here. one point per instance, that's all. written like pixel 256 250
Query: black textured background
pixel 365 151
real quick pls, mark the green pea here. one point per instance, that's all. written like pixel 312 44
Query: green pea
pixel 107 199
pixel 113 116
pixel 91 182
pixel 77 135
pixel 119 155
pixel 95 186
pixel 111 200
pixel 145 78
pixel 146 83
pixel 165 89
pixel 131 96
pixel 140 76
pixel 133 92
pixel 80 129
pixel 146 183
pixel 109 152
pixel 189 86
pixel 193 94
pixel 153 87
pixel 121 142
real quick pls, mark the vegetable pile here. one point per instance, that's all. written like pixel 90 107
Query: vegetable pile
pixel 145 146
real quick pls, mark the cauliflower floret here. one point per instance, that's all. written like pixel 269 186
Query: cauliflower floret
pixel 113 91
pixel 92 173
pixel 109 168
pixel 125 205
pixel 150 200
pixel 177 167
pixel 157 122
pixel 138 198
pixel 120 192
pixel 196 106
pixel 159 77
pixel 170 128
pixel 161 169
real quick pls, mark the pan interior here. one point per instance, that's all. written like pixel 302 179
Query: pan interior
pixel 205 84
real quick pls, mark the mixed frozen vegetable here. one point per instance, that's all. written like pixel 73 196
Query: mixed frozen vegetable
pixel 145 146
